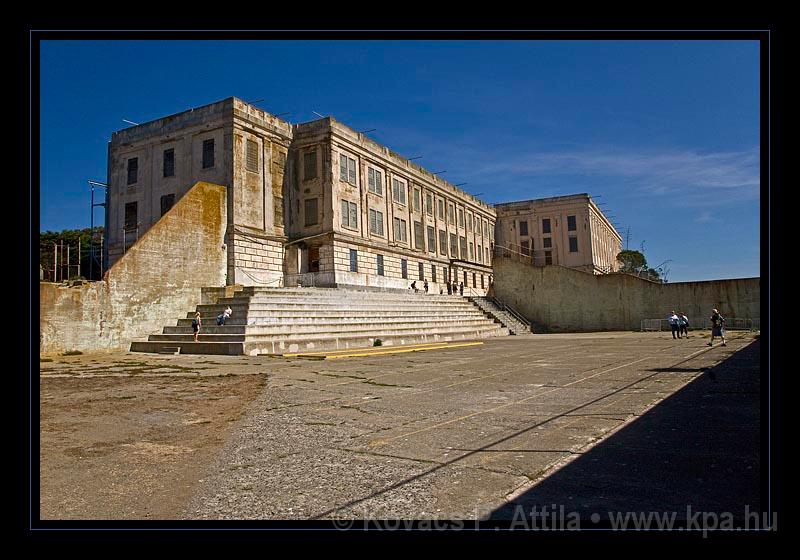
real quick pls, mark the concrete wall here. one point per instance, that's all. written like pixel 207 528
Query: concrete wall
pixel 156 280
pixel 559 299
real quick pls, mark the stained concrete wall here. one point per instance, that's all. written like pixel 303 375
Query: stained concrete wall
pixel 559 299
pixel 158 278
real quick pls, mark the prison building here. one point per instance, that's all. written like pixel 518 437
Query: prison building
pixel 359 214
pixel 313 204
pixel 564 230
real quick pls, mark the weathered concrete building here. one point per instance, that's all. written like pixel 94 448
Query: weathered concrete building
pixel 566 230
pixel 315 203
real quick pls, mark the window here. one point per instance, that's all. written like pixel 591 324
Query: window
pixel 375 222
pixel 480 253
pixel 547 242
pixel 349 214
pixel 429 204
pixel 166 203
pixel 571 226
pixel 310 207
pixel 445 274
pixel 482 285
pixel 463 245
pixel 380 265
pixel 400 230
pixel 208 153
pixel 374 181
pixel 442 242
pixel 353 260
pixel 441 209
pixel 465 279
pixel 453 246
pixel 523 227
pixel 451 214
pixel 469 223
pixel 546 225
pixel 433 273
pixel 471 251
pixel 431 239
pixel 398 191
pixel 419 236
pixel 491 232
pixel 131 215
pixel 404 268
pixel 421 271
pixel 133 170
pixel 417 200
pixel 460 218
pixel 573 244
pixel 548 257
pixel 488 260
pixel 526 248
pixel 251 160
pixel 310 165
pixel 474 283
pixel 347 169
pixel 169 163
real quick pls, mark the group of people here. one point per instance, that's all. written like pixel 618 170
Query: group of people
pixel 197 322
pixel 679 323
pixel 451 288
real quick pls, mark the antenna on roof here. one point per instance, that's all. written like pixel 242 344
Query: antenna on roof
pixel 130 122
pixel 459 184
pixel 320 116
pixel 413 158
pixel 365 131
pixel 439 172
pixel 477 194
pixel 281 114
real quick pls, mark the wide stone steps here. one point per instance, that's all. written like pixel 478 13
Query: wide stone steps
pixel 330 326
pixel 269 320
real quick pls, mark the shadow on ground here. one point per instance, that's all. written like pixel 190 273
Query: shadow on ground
pixel 697 449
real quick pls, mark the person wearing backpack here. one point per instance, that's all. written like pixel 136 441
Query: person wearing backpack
pixel 684 324
pixel 717 327
pixel 196 324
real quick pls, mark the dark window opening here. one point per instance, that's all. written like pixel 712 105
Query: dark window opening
pixel 166 203
pixel 353 260
pixel 133 170
pixel 571 226
pixel 421 271
pixel 131 215
pixel 169 163
pixel 380 265
pixel 310 212
pixel 573 244
pixel 523 227
pixel 251 161
pixel 404 268
pixel 546 225
pixel 310 165
pixel 208 153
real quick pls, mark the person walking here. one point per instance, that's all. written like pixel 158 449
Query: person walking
pixel 717 327
pixel 425 285
pixel 461 288
pixel 414 286
pixel 197 322
pixel 674 323
pixel 449 289
pixel 684 324
pixel 225 315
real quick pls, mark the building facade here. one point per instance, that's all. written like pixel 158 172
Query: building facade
pixel 313 204
pixel 564 230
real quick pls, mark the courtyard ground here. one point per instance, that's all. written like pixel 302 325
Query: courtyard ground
pixel 462 433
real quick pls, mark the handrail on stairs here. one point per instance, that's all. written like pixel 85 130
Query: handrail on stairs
pixel 513 312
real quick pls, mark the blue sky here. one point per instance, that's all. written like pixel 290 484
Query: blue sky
pixel 665 132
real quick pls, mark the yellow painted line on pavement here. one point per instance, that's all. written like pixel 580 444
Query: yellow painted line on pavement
pixel 377 351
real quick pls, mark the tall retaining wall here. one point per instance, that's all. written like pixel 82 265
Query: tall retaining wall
pixel 560 299
pixel 159 277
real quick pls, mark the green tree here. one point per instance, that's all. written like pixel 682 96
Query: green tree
pixel 632 261
pixel 74 239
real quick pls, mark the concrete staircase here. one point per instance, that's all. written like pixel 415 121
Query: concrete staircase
pixel 514 325
pixel 288 320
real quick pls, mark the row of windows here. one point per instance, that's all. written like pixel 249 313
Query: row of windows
pixel 523 225
pixel 168 167
pixel 349 219
pixel 132 211
pixel 547 243
pixel 347 173
pixel 421 270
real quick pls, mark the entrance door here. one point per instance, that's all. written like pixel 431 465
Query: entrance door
pixel 313 259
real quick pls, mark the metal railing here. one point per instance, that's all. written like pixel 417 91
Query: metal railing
pixel 730 324
pixel 511 311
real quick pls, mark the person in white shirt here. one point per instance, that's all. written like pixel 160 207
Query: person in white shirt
pixel 224 315
pixel 674 323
